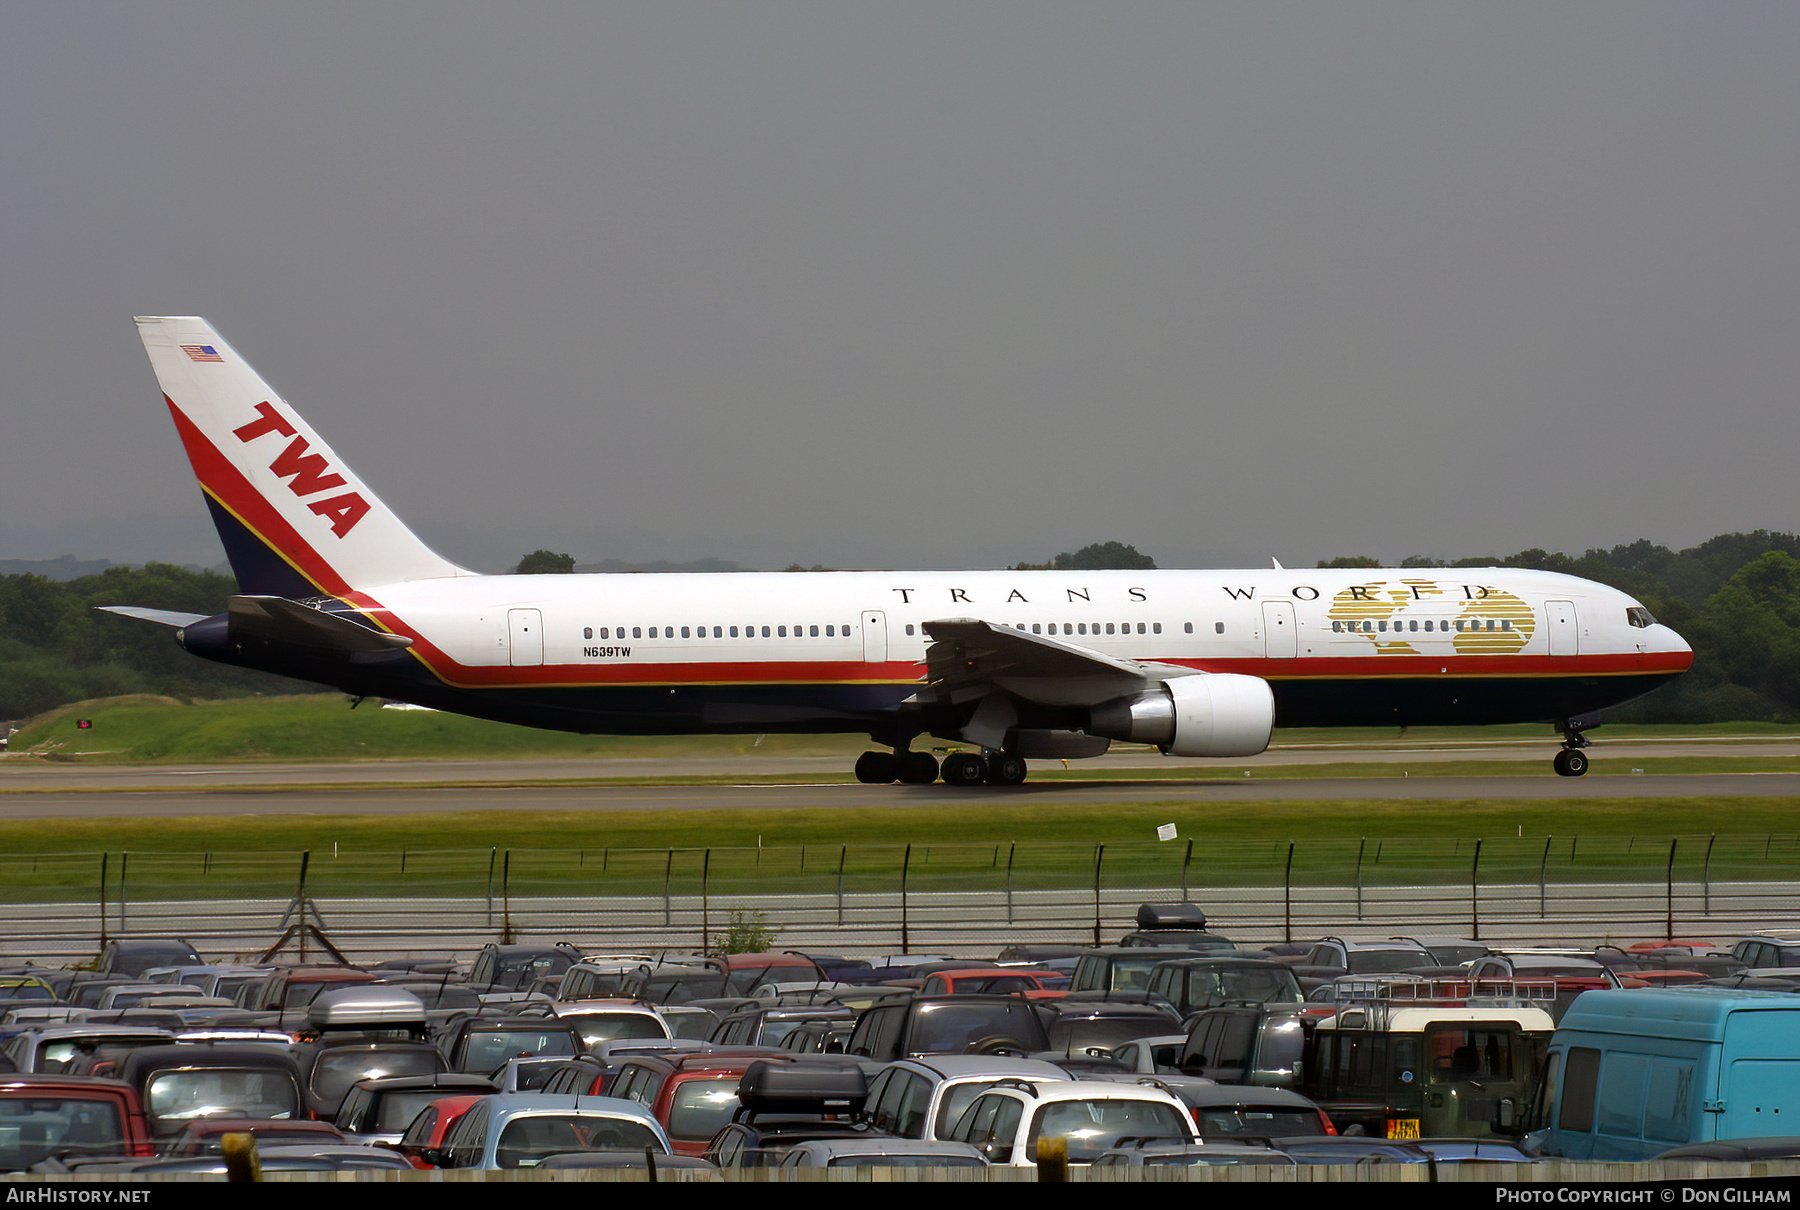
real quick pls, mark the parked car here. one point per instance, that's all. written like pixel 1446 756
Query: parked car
pixel 922 1098
pixel 47 1115
pixel 1008 1123
pixel 520 1130
pixel 873 1152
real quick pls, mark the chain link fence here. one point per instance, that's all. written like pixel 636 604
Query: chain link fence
pixel 962 899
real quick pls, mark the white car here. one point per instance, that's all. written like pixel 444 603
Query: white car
pixel 1009 1122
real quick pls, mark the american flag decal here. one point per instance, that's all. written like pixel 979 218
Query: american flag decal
pixel 201 353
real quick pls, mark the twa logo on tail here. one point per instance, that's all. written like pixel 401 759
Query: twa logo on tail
pixel 303 470
pixel 293 516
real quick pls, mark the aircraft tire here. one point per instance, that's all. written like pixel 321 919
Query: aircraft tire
pixel 964 769
pixel 1005 770
pixel 877 768
pixel 1571 762
pixel 918 769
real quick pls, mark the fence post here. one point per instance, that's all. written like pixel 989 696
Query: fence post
pixel 905 925
pixel 300 900
pixel 506 929
pixel 1706 876
pixel 668 873
pixel 1669 892
pixel 1099 859
pixel 103 863
pixel 1187 859
pixel 842 850
pixel 706 892
pixel 124 865
pixel 1543 880
pixel 1361 845
pixel 1012 851
pixel 1475 893
pixel 1287 896
pixel 493 854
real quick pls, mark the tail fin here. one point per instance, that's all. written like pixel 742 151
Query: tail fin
pixel 295 520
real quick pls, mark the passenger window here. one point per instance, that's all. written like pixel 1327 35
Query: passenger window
pixel 909 628
pixel 1156 627
pixel 781 632
pixel 813 631
pixel 637 632
pixel 684 632
pixel 765 632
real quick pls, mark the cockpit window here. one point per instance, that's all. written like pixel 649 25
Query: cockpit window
pixel 1638 616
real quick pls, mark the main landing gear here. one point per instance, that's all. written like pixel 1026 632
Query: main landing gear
pixel 921 768
pixel 1572 761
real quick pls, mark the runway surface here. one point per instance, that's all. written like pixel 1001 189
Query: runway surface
pixel 38 790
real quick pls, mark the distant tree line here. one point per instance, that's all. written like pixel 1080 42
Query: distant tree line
pixel 1736 598
pixel 56 647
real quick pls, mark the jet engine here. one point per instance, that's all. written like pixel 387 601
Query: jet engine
pixel 1207 714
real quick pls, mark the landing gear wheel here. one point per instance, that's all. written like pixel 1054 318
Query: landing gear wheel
pixel 877 768
pixel 1571 762
pixel 1005 770
pixel 918 768
pixel 964 769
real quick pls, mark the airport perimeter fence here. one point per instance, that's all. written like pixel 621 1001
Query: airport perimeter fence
pixel 964 899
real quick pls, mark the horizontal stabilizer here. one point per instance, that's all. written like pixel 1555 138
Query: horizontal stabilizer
pixel 279 620
pixel 162 617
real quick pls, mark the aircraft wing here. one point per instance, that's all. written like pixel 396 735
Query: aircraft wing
pixel 970 659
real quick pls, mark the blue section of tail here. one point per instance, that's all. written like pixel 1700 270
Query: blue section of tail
pixel 259 570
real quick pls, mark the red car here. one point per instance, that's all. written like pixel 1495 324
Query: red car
pixel 429 1128
pixel 55 1115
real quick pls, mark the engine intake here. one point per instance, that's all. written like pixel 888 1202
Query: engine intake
pixel 1207 714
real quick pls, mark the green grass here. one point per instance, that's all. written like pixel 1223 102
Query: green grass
pixel 1018 841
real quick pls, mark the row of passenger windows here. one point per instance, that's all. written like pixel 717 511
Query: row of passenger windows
pixel 1090 628
pixel 718 632
pixel 1463 625
pixel 1070 628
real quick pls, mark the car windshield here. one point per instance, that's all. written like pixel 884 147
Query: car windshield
pixel 701 1108
pixel 1093 1127
pixel 906 1161
pixel 603 1027
pixel 489 1048
pixel 1076 1033
pixel 526 1141
pixel 173 1097
pixel 40 1125
pixel 1259 1121
pixel 1382 962
pixel 957 1029
pixel 335 1073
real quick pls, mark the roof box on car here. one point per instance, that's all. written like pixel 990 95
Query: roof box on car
pixel 1170 916
pixel 802 1088
pixel 366 1007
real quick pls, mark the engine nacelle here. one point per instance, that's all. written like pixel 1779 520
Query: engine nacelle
pixel 1207 714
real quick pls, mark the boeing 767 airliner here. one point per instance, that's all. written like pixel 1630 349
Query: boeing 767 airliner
pixel 1012 664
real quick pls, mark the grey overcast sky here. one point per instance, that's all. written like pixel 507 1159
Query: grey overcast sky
pixel 919 284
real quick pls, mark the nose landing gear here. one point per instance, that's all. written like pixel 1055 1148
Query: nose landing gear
pixel 1572 761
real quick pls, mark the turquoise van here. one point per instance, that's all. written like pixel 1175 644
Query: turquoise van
pixel 1631 1074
